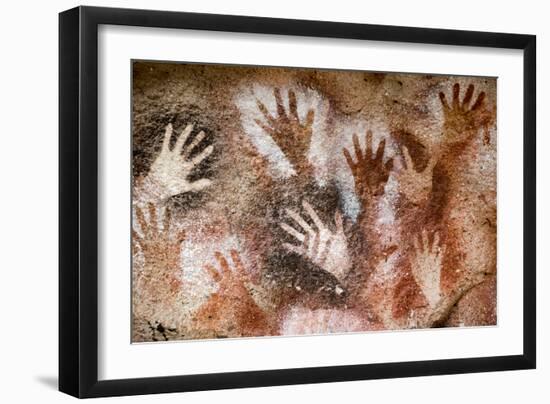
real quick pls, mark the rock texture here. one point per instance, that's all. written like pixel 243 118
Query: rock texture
pixel 279 201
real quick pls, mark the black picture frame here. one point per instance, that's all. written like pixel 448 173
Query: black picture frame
pixel 78 201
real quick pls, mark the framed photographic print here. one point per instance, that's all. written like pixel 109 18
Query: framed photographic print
pixel 250 201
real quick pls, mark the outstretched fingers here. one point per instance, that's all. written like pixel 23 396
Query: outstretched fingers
pixel 214 274
pixel 456 104
pixel 183 138
pixel 435 245
pixel 199 185
pixel 292 231
pixel 408 163
pixel 239 266
pixel 368 145
pixel 167 137
pixel 380 150
pixel 142 222
pixel 202 155
pixel 312 245
pixel 357 148
pixel 425 241
pixel 266 128
pixel 194 143
pixel 293 105
pixel 309 118
pixel 479 102
pixel 138 241
pixel 153 224
pixel 301 222
pixel 297 249
pixel 416 245
pixel 468 96
pixel 349 160
pixel 423 246
pixel 167 220
pixel 225 274
pixel 313 215
pixel 443 100
pixel 224 265
pixel 280 106
pixel 456 93
pixel 263 109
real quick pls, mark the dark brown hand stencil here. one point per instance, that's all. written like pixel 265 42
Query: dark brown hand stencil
pixel 291 135
pixel 463 121
pixel 370 173
pixel 231 309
